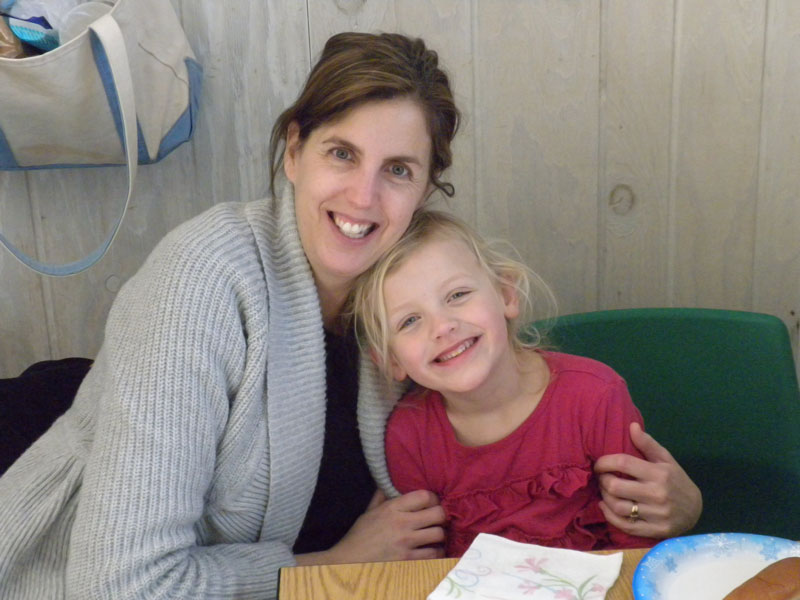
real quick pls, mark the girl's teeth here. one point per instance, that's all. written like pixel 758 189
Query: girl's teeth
pixel 456 352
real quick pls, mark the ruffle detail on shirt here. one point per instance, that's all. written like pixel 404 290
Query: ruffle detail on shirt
pixel 493 511
pixel 587 531
pixel 486 504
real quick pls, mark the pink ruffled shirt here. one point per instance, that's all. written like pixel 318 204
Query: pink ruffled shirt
pixel 536 485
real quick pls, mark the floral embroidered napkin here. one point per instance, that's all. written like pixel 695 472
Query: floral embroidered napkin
pixel 498 569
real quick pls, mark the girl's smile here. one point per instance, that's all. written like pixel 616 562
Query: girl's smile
pixel 458 351
pixel 448 320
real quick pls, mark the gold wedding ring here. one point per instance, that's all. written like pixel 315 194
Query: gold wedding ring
pixel 634 516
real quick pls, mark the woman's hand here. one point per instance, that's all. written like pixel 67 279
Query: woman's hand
pixel 669 503
pixel 407 527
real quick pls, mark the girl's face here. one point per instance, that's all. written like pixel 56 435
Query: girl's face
pixel 447 319
pixel 357 182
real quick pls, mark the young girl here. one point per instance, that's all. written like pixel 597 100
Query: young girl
pixel 505 433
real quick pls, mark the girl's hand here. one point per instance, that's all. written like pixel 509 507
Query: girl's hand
pixel 407 527
pixel 669 502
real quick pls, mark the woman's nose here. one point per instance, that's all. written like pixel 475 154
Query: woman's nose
pixel 364 189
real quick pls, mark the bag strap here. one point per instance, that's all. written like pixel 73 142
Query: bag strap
pixel 113 43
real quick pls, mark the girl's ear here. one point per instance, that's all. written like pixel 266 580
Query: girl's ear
pixel 508 290
pixel 290 153
pixel 373 354
pixel 398 372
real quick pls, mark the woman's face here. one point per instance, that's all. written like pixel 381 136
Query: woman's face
pixel 357 182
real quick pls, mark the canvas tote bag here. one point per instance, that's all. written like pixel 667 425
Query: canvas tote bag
pixel 125 91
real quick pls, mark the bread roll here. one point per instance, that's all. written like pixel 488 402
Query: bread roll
pixel 778 581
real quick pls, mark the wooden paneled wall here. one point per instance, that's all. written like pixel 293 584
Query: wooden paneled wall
pixel 637 152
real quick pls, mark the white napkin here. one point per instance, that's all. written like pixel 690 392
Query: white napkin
pixel 497 568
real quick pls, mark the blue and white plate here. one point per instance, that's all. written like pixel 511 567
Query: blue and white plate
pixel 705 567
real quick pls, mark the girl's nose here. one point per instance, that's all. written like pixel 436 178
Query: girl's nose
pixel 443 324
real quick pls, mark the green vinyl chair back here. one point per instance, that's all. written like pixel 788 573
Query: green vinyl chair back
pixel 718 389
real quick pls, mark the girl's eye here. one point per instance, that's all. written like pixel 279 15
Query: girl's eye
pixel 399 171
pixel 408 322
pixel 341 154
pixel 459 294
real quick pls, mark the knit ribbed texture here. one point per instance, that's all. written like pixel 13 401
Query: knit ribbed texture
pixel 187 462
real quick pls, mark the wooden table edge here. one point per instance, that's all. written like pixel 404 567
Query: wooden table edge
pixel 417 579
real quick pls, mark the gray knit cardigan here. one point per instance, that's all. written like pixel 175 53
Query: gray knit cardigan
pixel 187 462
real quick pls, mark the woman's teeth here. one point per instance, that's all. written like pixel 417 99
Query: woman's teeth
pixel 456 352
pixel 352 230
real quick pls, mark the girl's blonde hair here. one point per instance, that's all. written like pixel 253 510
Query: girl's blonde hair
pixel 368 305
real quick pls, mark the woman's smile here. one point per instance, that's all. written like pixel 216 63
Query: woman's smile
pixel 350 228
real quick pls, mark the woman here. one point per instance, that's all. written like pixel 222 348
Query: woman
pixel 200 454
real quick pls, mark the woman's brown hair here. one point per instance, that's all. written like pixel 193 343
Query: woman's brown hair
pixel 356 68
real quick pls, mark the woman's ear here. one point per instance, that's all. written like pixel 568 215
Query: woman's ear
pixel 428 191
pixel 510 295
pixel 290 153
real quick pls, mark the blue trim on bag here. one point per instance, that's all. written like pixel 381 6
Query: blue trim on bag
pixel 7 160
pixel 3 167
pixel 104 70
pixel 180 132
pixel 183 128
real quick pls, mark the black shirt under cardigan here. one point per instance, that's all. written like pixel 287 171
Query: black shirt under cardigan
pixel 344 486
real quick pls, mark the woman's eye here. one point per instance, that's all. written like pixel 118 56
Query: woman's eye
pixel 399 171
pixel 341 154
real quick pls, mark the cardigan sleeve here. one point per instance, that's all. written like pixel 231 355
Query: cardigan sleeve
pixel 185 344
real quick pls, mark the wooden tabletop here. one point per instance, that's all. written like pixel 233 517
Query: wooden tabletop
pixel 404 580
